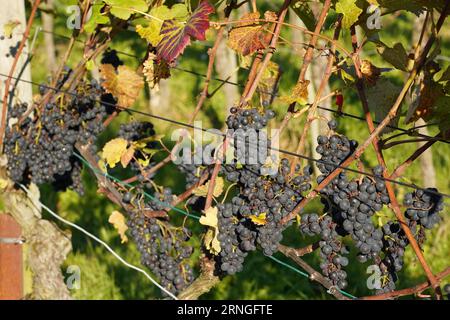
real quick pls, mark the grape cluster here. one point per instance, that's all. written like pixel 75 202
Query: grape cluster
pixel 248 118
pixel 252 218
pixel 332 250
pixel 164 255
pixel 424 207
pixel 41 148
pixel 352 203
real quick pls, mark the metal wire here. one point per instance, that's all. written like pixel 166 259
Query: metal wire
pixel 410 131
pixel 412 186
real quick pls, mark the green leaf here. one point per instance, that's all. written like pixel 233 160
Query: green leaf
pixel 396 55
pixel 441 113
pixel 161 13
pixel 349 10
pixel 96 18
pixel 123 9
pixel 381 97
pixel 445 75
pixel 304 12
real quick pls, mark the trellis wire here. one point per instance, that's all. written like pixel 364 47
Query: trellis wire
pixel 339 113
pixel 224 135
pixel 117 180
pixel 90 235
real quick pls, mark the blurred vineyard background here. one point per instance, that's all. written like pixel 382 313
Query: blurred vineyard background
pixel 103 277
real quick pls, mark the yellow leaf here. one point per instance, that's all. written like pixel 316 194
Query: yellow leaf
pixel 299 94
pixel 210 220
pixel 259 220
pixel 155 71
pixel 3 184
pixel 114 150
pixel 127 157
pixel 124 85
pixel 202 191
pixel 118 221
pixel 9 27
pixel 249 36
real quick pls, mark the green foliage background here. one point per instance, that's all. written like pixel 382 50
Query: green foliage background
pixel 103 277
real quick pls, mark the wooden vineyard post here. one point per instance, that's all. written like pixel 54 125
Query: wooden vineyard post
pixel 11 265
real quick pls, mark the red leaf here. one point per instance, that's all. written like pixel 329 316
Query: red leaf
pixel 177 36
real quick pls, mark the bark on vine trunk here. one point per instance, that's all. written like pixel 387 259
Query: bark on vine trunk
pixel 46 245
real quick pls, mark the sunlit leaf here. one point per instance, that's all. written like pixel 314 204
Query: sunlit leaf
pixel 8 28
pixel 202 191
pixel 299 94
pixel 250 35
pixel 96 18
pixel 210 220
pixel 350 12
pixel 151 32
pixel 118 221
pixel 124 85
pixel 114 150
pixel 259 220
pixel 123 9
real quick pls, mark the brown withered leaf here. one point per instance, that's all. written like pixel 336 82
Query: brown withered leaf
pixel 127 156
pixel 250 35
pixel 370 72
pixel 299 94
pixel 155 70
pixel 124 85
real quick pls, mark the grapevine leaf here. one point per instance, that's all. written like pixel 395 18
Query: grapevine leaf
pixel 259 220
pixel 177 36
pixel 396 55
pixel 202 191
pixel 124 85
pixel 299 94
pixel 429 97
pixel 8 28
pixel 123 9
pixel 155 70
pixel 370 72
pixel 151 32
pixel 350 12
pixel 381 97
pixel 445 76
pixel 441 113
pixel 96 18
pixel 249 35
pixel 127 156
pixel 118 221
pixel 114 150
pixel 211 240
pixel 304 12
pixel 3 184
